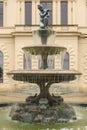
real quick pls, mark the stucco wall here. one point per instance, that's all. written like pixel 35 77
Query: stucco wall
pixel 82 62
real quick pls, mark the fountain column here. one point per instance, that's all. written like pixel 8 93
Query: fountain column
pixel 44 89
pixel 44 62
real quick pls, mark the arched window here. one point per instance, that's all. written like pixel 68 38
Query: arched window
pixel 64 12
pixel 27 61
pixel 66 61
pixel 1 67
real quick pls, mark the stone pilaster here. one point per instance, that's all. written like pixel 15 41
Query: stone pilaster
pixel 22 12
pixel 18 12
pixel 58 12
pixel 33 12
pixel 5 13
pixel 54 8
pixel 74 11
pixel 70 10
pixel 37 17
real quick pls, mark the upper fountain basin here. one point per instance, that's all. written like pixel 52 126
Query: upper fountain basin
pixel 44 49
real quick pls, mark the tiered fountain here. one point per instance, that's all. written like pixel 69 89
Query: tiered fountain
pixel 43 108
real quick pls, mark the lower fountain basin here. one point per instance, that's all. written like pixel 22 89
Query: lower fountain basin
pixel 35 76
pixel 43 108
pixel 7 124
pixel 42 113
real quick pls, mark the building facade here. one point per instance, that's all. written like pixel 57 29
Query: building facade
pixel 18 18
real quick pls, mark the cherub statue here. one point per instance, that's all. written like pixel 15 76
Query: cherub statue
pixel 44 14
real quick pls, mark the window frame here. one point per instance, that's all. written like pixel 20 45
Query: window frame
pixel 2 14
pixel 63 10
pixel 30 22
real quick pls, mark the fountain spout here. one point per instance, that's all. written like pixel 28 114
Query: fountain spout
pixel 44 62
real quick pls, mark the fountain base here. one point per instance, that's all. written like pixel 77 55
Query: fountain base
pixel 42 113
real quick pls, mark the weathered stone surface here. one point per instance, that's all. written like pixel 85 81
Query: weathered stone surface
pixel 39 118
pixel 66 112
pixel 27 118
pixel 61 113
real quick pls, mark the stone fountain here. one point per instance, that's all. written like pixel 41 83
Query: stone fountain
pixel 43 108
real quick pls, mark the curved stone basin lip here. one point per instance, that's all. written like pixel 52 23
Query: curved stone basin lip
pixel 46 71
pixel 43 46
pixel 44 49
pixel 43 76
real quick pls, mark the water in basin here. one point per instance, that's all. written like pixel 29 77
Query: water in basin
pixel 7 124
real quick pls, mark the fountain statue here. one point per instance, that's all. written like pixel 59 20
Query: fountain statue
pixel 44 14
pixel 43 108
